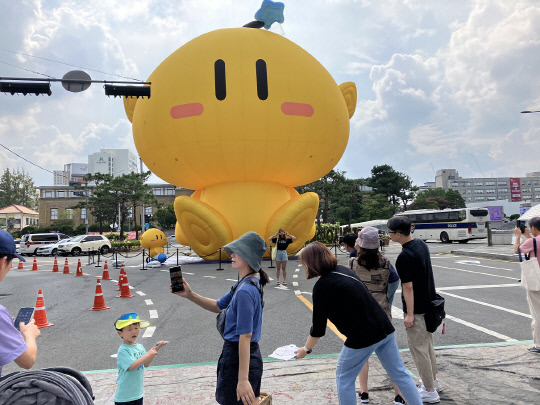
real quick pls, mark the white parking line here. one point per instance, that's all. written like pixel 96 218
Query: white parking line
pixel 297 270
pixel 481 329
pixel 140 293
pixel 153 313
pixel 466 287
pixel 149 332
pixel 489 305
pixel 211 277
pixel 149 302
pixel 475 272
pixel 230 279
pixel 297 292
pixel 295 276
pixel 295 284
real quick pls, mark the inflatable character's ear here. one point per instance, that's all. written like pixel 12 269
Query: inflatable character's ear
pixel 348 89
pixel 130 102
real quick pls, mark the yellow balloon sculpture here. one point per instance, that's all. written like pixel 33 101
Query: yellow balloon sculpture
pixel 242 116
pixel 154 240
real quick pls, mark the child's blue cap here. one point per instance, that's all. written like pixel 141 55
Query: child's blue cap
pixel 129 319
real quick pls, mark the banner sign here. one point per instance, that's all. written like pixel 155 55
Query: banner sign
pixel 515 189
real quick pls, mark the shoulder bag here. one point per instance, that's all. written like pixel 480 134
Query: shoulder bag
pixel 435 314
pixel 220 318
pixel 273 252
pixel 530 270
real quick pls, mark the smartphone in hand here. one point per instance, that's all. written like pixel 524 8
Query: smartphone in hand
pixel 24 315
pixel 177 281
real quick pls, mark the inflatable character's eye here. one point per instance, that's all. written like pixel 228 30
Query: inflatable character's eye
pixel 262 79
pixel 219 74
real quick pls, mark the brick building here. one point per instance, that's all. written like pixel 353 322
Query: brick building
pixel 56 202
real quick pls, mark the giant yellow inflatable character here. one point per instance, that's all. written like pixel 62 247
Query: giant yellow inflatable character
pixel 154 240
pixel 242 116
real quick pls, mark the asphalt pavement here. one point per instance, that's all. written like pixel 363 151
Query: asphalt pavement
pixel 491 372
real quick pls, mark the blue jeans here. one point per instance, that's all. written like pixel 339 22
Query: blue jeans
pixel 351 361
pixel 392 287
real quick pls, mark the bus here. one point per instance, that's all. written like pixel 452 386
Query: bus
pixel 448 225
pixel 380 224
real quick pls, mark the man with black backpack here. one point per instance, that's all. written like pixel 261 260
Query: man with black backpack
pixel 418 291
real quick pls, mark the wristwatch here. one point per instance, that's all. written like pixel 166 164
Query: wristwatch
pixel 306 350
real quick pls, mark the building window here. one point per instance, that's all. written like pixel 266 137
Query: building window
pixel 69 213
pixel 48 194
pixel 83 213
pixel 503 190
pixel 61 194
pixel 490 198
pixel 468 184
pixel 479 191
pixel 469 191
pixel 169 191
pixel 490 183
pixel 54 214
pixel 502 183
pixel 478 183
pixel 490 191
pixel 158 191
pixel 26 221
pixel 147 210
pixel 526 190
pixel 479 199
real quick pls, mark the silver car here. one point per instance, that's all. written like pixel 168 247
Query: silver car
pixel 51 249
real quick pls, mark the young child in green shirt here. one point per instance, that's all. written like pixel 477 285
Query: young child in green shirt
pixel 131 360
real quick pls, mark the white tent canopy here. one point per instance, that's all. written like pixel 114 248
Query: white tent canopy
pixel 530 213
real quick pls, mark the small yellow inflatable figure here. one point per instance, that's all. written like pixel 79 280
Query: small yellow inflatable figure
pixel 153 239
pixel 242 116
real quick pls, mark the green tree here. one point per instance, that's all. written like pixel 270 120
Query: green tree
pixel 17 187
pixel 396 186
pixel 437 198
pixel 138 192
pixel 165 216
pixel 376 206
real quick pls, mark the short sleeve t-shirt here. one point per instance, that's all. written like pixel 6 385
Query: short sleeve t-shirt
pixel 130 382
pixel 244 315
pixel 282 244
pixel 528 247
pixel 414 265
pixel 12 344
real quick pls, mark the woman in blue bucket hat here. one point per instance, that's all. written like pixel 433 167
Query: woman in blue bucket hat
pixel 240 365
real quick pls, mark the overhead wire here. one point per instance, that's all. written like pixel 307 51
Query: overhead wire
pixel 23 158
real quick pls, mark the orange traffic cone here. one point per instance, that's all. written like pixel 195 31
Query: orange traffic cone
pixel 66 267
pixel 124 289
pixel 79 269
pixel 120 281
pixel 34 266
pixel 40 315
pixel 20 266
pixel 99 301
pixel 55 266
pixel 122 272
pixel 106 275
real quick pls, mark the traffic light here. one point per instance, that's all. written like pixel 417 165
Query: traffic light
pixel 26 88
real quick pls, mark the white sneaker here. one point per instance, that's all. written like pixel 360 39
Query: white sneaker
pixel 429 397
pixel 436 384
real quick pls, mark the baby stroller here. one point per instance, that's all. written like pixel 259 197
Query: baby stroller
pixel 59 386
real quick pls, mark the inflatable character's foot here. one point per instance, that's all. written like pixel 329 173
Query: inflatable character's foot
pixel 204 228
pixel 297 217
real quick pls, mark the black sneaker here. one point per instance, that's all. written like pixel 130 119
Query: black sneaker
pixel 364 397
pixel 398 400
pixel 534 349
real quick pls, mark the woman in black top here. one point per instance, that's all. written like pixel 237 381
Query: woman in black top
pixel 282 240
pixel 341 297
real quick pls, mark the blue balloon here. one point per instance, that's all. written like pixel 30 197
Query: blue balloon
pixel 161 257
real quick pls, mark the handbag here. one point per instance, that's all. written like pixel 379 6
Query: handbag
pixel 435 314
pixel 530 270
pixel 220 318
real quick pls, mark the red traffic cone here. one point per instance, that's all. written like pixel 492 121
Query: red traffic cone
pixel 124 289
pixel 34 266
pixel 55 266
pixel 122 272
pixel 106 275
pixel 79 269
pixel 120 281
pixel 40 315
pixel 66 267
pixel 20 266
pixel 99 301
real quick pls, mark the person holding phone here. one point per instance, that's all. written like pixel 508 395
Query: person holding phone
pixel 282 240
pixel 15 345
pixel 240 365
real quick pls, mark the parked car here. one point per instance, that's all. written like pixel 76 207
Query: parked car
pixel 17 242
pixel 51 249
pixel 84 244
pixel 32 241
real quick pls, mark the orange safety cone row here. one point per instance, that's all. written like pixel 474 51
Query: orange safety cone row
pixel 124 289
pixel 99 301
pixel 34 266
pixel 79 269
pixel 106 275
pixel 66 267
pixel 40 315
pixel 20 266
pixel 55 266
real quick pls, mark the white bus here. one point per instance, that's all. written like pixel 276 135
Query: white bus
pixel 462 224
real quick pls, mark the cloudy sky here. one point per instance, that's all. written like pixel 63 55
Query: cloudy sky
pixel 440 83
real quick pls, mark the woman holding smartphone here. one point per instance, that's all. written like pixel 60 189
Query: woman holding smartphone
pixel 240 365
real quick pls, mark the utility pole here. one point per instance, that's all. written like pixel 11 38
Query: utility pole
pixel 143 227
pixel 86 216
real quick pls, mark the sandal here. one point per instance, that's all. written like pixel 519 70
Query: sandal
pixel 284 283
pixel 277 283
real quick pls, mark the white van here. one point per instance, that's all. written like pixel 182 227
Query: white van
pixel 30 242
